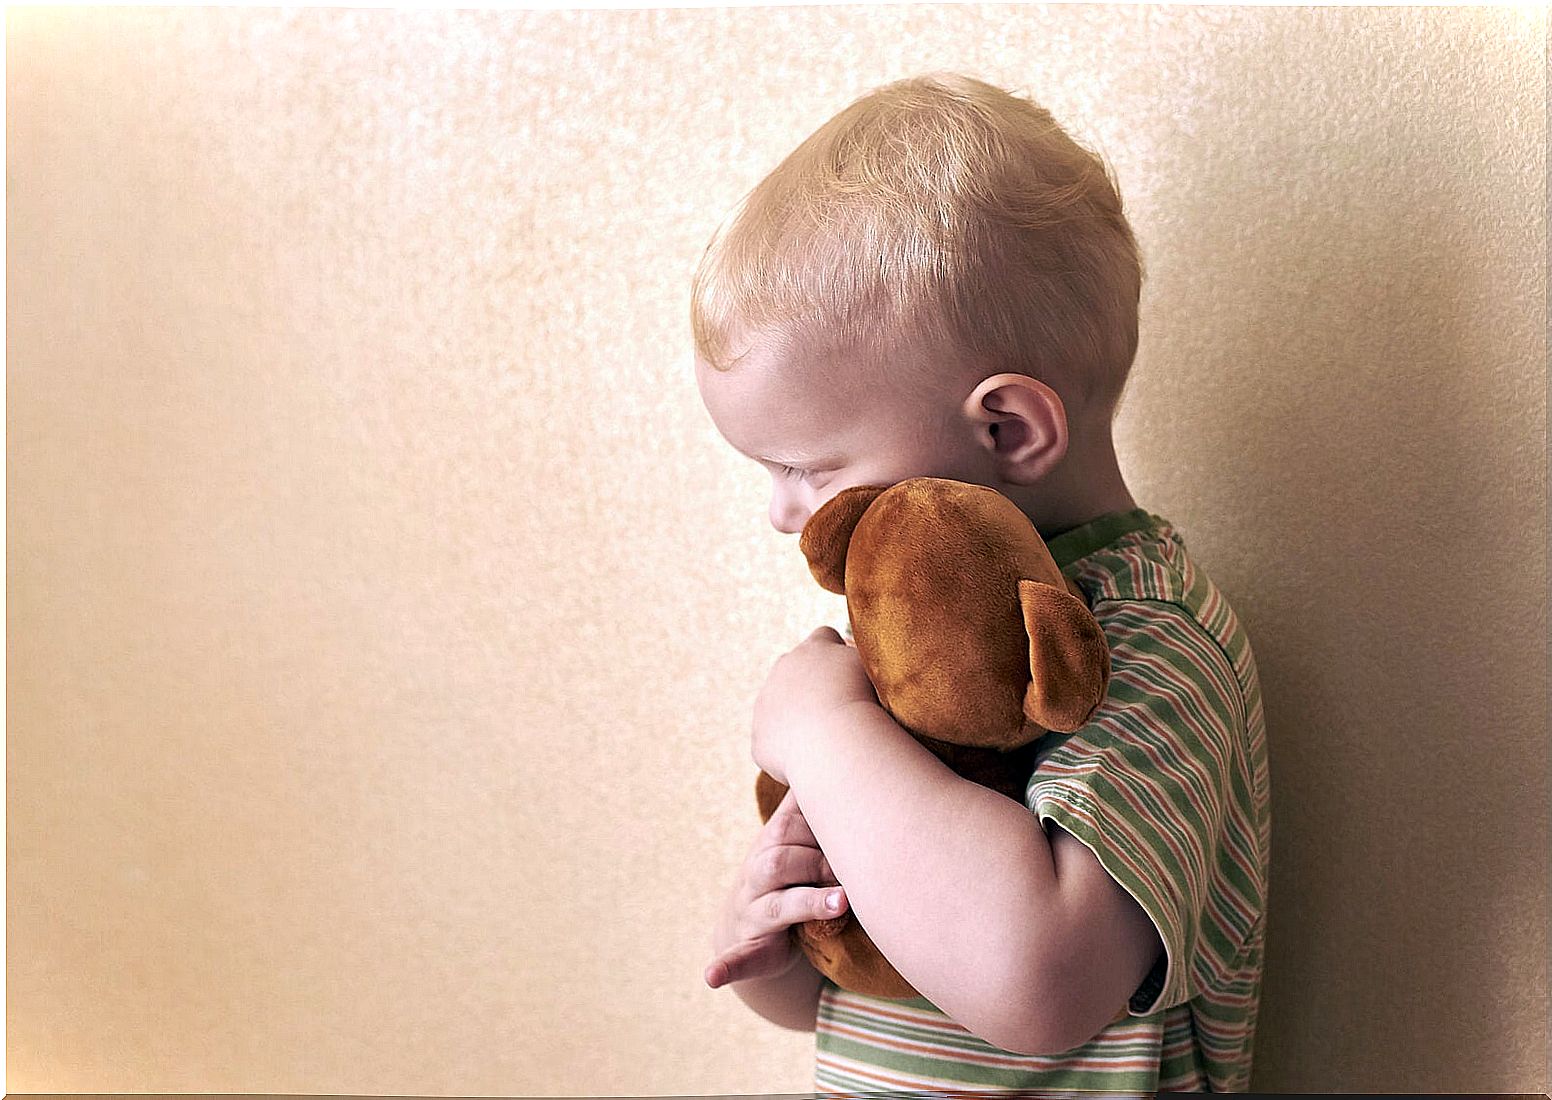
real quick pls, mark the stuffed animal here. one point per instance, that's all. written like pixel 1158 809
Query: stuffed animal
pixel 974 642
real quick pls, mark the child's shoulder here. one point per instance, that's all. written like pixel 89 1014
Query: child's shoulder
pixel 1149 562
pixel 1150 594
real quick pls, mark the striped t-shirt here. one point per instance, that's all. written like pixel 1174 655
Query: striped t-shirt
pixel 1167 785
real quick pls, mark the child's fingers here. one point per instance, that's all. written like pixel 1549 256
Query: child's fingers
pixel 788 825
pixel 731 967
pixel 768 917
pixel 764 946
pixel 750 959
pixel 783 865
pixel 822 902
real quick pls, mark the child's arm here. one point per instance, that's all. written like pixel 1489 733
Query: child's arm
pixel 1028 944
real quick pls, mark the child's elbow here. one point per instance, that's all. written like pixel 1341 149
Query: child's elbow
pixel 1043 1038
pixel 1047 1023
pixel 1046 1040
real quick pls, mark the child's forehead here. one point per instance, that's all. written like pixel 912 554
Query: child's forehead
pixel 822 388
pixel 773 390
pixel 769 371
pixel 814 401
pixel 776 409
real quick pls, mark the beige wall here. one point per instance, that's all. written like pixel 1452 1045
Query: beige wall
pixel 385 614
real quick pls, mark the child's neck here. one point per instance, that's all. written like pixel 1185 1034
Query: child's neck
pixel 1081 488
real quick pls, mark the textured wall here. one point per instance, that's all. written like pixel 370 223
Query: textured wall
pixel 385 614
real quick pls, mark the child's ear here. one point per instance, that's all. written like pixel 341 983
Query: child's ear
pixel 827 534
pixel 1025 425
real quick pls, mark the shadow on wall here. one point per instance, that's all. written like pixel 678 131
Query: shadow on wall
pixel 1368 473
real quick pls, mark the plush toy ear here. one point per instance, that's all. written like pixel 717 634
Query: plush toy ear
pixel 1069 660
pixel 827 534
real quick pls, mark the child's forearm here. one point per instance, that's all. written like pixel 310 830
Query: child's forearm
pixel 953 881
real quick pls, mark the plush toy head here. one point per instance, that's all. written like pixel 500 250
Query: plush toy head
pixel 973 639
pixel 964 623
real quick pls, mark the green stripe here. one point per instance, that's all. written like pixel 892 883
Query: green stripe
pixel 966 1041
pixel 910 1032
pixel 1083 540
pixel 966 1073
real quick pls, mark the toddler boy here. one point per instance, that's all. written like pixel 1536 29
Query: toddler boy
pixel 940 282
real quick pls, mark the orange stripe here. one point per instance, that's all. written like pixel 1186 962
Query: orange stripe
pixel 848 1068
pixel 941 1020
pixel 883 1077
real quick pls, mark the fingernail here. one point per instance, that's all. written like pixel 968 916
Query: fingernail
pixel 833 899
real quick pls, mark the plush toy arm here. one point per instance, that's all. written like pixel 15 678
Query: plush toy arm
pixel 1069 660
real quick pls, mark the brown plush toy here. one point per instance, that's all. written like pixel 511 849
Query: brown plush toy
pixel 973 639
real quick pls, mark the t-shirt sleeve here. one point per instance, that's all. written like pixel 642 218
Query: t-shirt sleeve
pixel 1157 786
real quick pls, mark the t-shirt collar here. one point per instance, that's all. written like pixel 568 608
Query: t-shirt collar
pixel 1083 540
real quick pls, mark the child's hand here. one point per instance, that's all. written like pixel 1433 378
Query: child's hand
pixel 808 683
pixel 752 938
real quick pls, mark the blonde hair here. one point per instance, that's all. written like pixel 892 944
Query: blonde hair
pixel 941 215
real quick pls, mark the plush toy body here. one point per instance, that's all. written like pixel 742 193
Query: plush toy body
pixel 974 642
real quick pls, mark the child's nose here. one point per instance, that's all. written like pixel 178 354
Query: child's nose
pixel 788 515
